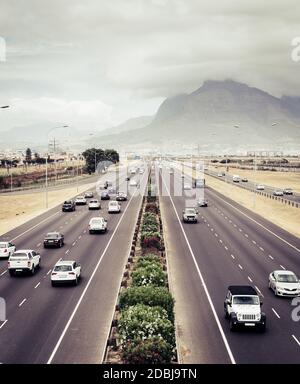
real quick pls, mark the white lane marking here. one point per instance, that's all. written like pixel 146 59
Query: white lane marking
pixel 240 230
pixel 84 231
pixel 79 237
pixel 226 217
pixel 48 272
pixel 22 302
pixel 295 338
pixel 3 273
pixel 271 257
pixel 226 248
pixel 203 282
pixel 230 221
pixel 208 225
pixel 253 241
pixel 88 284
pixel 282 266
pixel 261 248
pixel 259 291
pixel 235 225
pixel 36 225
pixel 240 267
pixel 37 285
pixel 256 222
pixel 61 226
pixel 246 235
pixel 275 313
pixel 212 229
pixel 249 278
pixel 221 241
pixel 66 222
pixel 74 243
pixel 38 244
pixel 216 234
pixel 67 251
pixel 2 325
pixel 232 256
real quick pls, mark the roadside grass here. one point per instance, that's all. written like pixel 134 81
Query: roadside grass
pixel 17 209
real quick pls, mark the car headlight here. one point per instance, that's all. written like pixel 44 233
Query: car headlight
pixel 258 316
pixel 239 316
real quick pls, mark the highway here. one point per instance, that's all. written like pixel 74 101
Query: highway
pixel 251 185
pixel 67 324
pixel 228 246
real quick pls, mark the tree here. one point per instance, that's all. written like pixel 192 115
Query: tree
pixel 28 156
pixel 96 156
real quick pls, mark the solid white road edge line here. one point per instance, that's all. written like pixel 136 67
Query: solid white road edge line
pixel 203 282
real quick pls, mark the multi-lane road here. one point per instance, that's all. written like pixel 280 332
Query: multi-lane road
pixel 228 246
pixel 67 324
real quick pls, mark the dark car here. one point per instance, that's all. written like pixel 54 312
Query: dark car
pixel 107 184
pixel 127 178
pixel 68 206
pixel 105 195
pixel 54 239
pixel 121 196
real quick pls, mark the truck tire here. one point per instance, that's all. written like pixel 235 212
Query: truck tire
pixel 231 325
pixel 32 270
pixel 11 272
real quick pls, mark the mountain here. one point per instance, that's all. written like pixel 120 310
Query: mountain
pixel 128 125
pixel 221 116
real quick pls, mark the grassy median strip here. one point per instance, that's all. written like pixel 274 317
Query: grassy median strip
pixel 143 327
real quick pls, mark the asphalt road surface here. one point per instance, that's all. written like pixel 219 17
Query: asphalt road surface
pixel 228 246
pixel 67 324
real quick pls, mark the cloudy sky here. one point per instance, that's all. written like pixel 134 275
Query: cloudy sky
pixel 95 63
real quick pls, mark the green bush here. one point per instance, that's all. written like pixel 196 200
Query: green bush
pixel 141 322
pixel 152 296
pixel 153 350
pixel 145 261
pixel 149 218
pixel 149 227
pixel 150 275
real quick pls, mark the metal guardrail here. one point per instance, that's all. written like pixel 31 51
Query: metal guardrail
pixel 41 186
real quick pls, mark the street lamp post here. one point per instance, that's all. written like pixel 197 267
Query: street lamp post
pixel 47 154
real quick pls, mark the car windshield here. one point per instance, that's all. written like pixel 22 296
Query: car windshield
pixel 94 201
pixel 67 202
pixel 287 278
pixel 252 300
pixel 104 193
pixel 113 203
pixel 63 268
pixel 52 235
pixel 3 245
pixel 97 221
pixel 80 197
pixel 21 255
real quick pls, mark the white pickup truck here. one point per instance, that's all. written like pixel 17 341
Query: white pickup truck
pixel 24 261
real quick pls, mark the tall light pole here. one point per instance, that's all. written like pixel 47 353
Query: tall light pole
pixel 10 169
pixel 47 154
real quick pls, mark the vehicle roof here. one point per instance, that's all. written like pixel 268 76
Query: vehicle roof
pixel 24 251
pixel 4 242
pixel 53 233
pixel 242 290
pixel 64 262
pixel 80 197
pixel 97 218
pixel 284 272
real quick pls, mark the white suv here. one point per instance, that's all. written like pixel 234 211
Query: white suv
pixel 94 204
pixel 66 271
pixel 6 249
pixel 114 207
pixel 97 224
pixel 243 307
pixel 24 261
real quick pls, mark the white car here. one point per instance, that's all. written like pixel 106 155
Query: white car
pixel 220 175
pixel 25 260
pixel 89 195
pixel 121 196
pixel 288 191
pixel 260 187
pixel 114 207
pixel 278 192
pixel 187 186
pixel 80 200
pixel 66 271
pixel 284 283
pixel 133 183
pixel 236 178
pixel 97 224
pixel 94 204
pixel 141 171
pixel 6 249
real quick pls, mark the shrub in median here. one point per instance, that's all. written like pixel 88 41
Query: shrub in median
pixel 149 275
pixel 148 259
pixel 141 322
pixel 151 239
pixel 151 207
pixel 149 295
pixel 154 350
